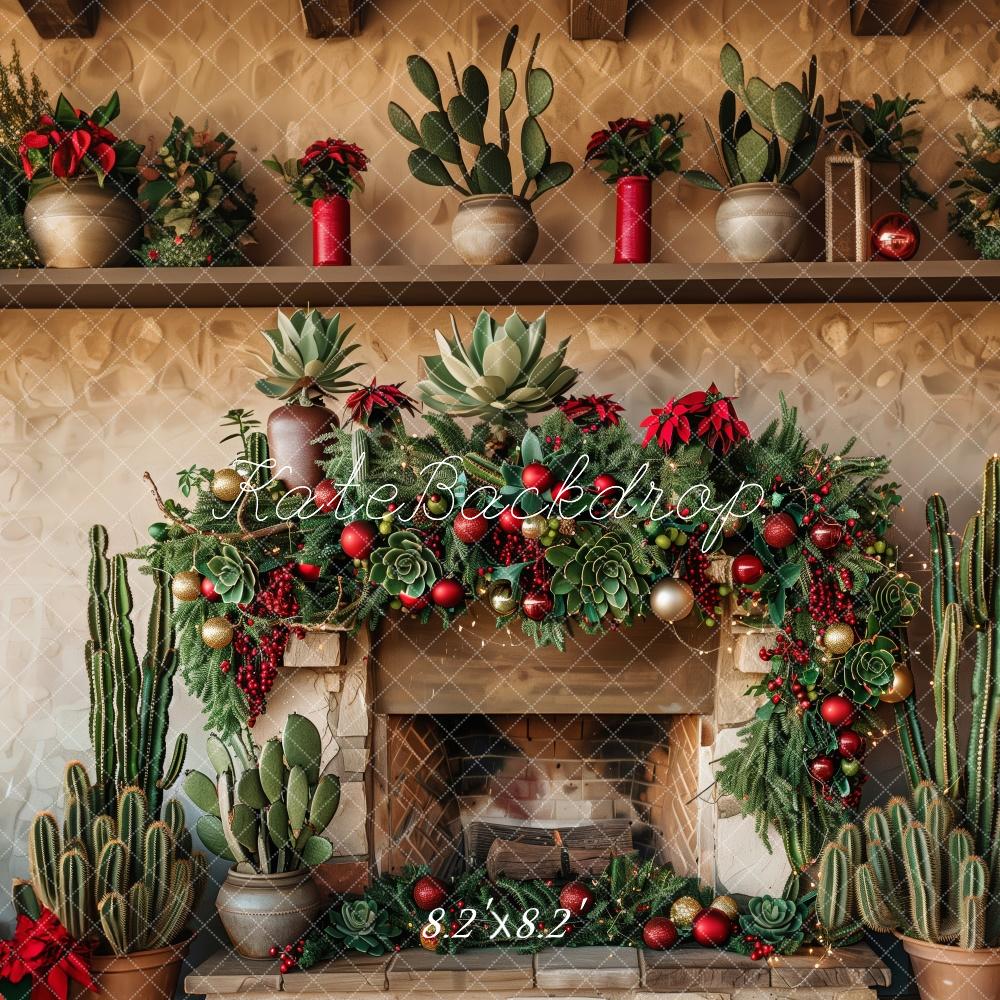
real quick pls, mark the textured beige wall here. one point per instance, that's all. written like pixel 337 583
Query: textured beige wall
pixel 89 400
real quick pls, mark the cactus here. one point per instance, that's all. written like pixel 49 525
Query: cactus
pixel 439 138
pixel 790 121
pixel 271 819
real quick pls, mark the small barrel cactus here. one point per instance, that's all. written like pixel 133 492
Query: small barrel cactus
pixel 405 565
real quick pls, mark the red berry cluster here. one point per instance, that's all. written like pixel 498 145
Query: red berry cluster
pixel 513 547
pixel 696 563
pixel 827 601
pixel 289 954
pixel 794 650
pixel 758 949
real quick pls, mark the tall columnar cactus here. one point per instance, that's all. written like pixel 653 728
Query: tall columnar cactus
pixel 272 818
pixel 123 875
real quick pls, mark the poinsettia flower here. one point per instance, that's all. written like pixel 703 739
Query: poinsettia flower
pixel 670 424
pixel 720 425
pixel 43 950
pixel 601 138
pixel 31 140
pixel 374 403
pixel 592 411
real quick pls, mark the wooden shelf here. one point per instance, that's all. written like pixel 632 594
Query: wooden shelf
pixel 528 285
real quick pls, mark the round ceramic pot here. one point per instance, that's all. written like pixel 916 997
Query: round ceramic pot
pixel 290 433
pixel 259 911
pixel 761 223
pixel 77 223
pixel 144 975
pixel 494 229
pixel 944 972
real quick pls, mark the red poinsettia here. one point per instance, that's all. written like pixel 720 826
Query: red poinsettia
pixel 336 151
pixel 328 167
pixel 591 412
pixel 372 404
pixel 600 139
pixel 43 950
pixel 709 416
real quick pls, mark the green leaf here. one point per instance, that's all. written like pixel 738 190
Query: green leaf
pixel 209 830
pixel 752 151
pixel 507 88
pixel 759 98
pixel 428 169
pixel 316 852
pixel 700 179
pixel 400 120
pixel 424 79
pixel 508 47
pixel 538 91
pixel 476 90
pixel 493 170
pixel 439 137
pixel 535 150
pixel 551 176
pixel 732 67
pixel 788 111
pixel 465 120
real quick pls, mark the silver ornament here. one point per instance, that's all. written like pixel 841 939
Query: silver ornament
pixel 671 599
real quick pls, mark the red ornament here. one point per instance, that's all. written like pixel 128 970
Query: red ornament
pixel 894 237
pixel 747 569
pixel 309 571
pixel 325 496
pixel 576 898
pixel 510 520
pixel 208 590
pixel 428 892
pixel 837 710
pixel 605 482
pixel 659 933
pixel 470 526
pixel 414 603
pixel 850 744
pixel 536 477
pixel 561 491
pixel 447 593
pixel 711 928
pixel 826 534
pixel 358 539
pixel 822 768
pixel 780 530
pixel 537 606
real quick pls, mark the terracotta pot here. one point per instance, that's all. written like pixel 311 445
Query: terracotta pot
pixel 944 972
pixel 76 223
pixel 633 220
pixel 144 975
pixel 331 219
pixel 258 911
pixel 494 229
pixel 290 431
pixel 761 223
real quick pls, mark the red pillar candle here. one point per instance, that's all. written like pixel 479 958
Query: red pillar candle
pixel 633 222
pixel 331 231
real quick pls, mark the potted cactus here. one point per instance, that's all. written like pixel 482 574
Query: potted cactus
pixel 269 821
pixel 120 871
pixel 493 224
pixel 761 152
pixel 930 871
pixel 306 366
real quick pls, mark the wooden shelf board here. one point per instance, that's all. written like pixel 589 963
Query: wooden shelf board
pixel 534 285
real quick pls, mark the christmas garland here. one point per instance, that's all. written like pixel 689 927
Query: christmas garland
pixel 571 523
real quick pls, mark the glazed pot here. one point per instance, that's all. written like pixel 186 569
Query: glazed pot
pixel 259 911
pixel 761 223
pixel 331 219
pixel 144 975
pixel 944 972
pixel 77 223
pixel 494 229
pixel 290 433
pixel 633 220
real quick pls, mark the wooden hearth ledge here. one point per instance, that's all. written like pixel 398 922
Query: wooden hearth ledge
pixel 610 973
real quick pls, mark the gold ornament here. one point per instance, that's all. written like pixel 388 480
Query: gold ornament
pixel 226 484
pixel 671 599
pixel 482 588
pixel 684 910
pixel 534 526
pixel 217 633
pixel 727 904
pixel 838 639
pixel 730 526
pixel 186 586
pixel 502 600
pixel 426 940
pixel 567 527
pixel 902 685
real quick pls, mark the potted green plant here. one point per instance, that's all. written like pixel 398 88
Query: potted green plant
pixel 761 152
pixel 81 209
pixel 306 366
pixel 975 214
pixel 493 225
pixel 199 212
pixel 269 821
pixel 120 874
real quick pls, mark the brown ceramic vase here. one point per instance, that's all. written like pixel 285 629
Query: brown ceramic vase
pixel 291 431
pixel 944 972
pixel 144 975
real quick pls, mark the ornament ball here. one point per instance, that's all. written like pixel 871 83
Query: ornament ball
pixel 447 593
pixel 186 586
pixel 427 940
pixel 537 606
pixel 671 599
pixel 837 710
pixel 309 571
pixel 747 569
pixel 711 928
pixel 727 905
pixel 576 898
pixel 684 910
pixel 358 539
pixel 822 768
pixel 850 744
pixel 428 893
pixel 838 638
pixel 470 526
pixel 902 685
pixel 534 526
pixel 895 237
pixel 536 477
pixel 826 534
pixel 414 603
pixel 325 496
pixel 659 933
pixel 780 530
pixel 208 590
pixel 510 520
pixel 501 598
pixel 226 484
pixel 217 633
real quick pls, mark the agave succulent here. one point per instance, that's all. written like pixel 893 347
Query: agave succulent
pixel 774 920
pixel 360 926
pixel 307 357
pixel 233 576
pixel 501 372
pixel 405 565
pixel 868 668
pixel 600 575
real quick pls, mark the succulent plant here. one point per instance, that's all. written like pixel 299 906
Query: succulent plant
pixel 501 373
pixel 895 598
pixel 867 668
pixel 404 565
pixel 438 140
pixel 358 925
pixel 975 213
pixel 600 575
pixel 272 818
pixel 775 920
pixel 233 575
pixel 790 122
pixel 307 358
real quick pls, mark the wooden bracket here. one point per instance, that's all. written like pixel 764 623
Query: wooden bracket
pixel 63 18
pixel 882 17
pixel 333 18
pixel 597 19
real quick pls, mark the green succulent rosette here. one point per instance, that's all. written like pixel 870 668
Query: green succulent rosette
pixel 868 669
pixel 233 576
pixel 358 925
pixel 404 565
pixel 600 575
pixel 895 599
pixel 775 921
